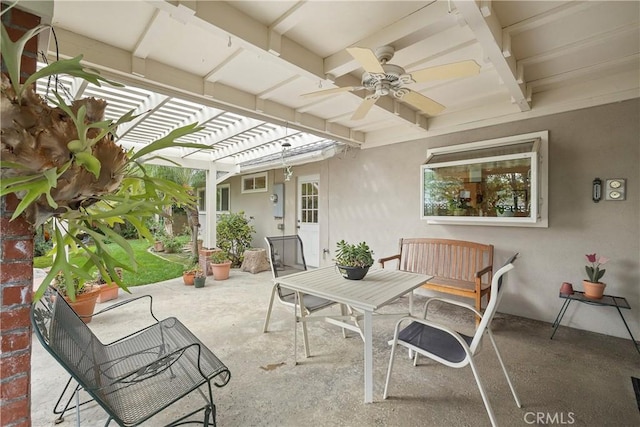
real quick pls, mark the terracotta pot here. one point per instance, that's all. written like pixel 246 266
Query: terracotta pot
pixel 85 303
pixel 221 271
pixel 593 290
pixel 108 292
pixel 188 278
pixel 566 288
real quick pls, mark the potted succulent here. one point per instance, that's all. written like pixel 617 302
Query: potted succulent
pixel 353 260
pixel 593 288
pixel 199 278
pixel 189 275
pixel 220 265
pixel 80 295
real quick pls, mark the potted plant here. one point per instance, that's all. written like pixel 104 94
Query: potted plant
pixel 199 278
pixel 80 295
pixel 220 265
pixel 234 235
pixel 353 260
pixel 108 288
pixel 189 275
pixel 593 288
pixel 62 160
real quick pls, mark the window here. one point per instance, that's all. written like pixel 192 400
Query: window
pixel 496 182
pixel 309 203
pixel 222 198
pixel 255 183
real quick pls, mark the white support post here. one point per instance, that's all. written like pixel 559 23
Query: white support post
pixel 209 240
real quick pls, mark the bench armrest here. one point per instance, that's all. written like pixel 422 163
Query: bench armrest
pixel 484 271
pixel 389 258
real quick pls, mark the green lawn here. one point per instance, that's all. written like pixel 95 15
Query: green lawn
pixel 151 267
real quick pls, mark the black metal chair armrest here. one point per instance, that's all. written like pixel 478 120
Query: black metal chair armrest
pixel 156 367
pixel 127 301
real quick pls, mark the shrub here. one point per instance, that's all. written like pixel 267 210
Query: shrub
pixel 41 245
pixel 234 235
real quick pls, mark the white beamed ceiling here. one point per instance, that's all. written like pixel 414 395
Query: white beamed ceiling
pixel 241 66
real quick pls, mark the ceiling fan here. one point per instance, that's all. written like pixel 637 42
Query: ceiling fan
pixel 382 78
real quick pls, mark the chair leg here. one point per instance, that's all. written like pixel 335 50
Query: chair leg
pixel 391 360
pixel 504 369
pixel 485 399
pixel 268 317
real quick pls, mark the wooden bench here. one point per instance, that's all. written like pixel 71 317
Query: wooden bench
pixel 458 267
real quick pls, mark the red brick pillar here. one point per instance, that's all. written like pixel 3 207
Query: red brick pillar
pixel 16 275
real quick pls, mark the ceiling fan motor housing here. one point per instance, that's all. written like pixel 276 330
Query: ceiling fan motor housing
pixel 392 76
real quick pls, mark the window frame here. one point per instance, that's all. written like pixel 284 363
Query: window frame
pixel 539 180
pixel 202 198
pixel 253 177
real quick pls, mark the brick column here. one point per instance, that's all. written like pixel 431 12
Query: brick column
pixel 16 275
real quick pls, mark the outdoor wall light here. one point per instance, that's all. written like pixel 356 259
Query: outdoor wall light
pixel 596 191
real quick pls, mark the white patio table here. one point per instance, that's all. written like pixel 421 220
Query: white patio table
pixel 379 288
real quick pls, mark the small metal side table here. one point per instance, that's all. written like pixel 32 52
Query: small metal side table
pixel 605 301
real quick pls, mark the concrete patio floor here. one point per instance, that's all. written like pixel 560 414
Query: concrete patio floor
pixel 578 378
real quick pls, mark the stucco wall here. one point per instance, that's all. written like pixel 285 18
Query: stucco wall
pixel 374 195
pixel 597 142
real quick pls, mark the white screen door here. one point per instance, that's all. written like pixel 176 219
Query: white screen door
pixel 308 214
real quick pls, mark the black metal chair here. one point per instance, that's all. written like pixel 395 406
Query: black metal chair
pixel 449 347
pixel 137 376
pixel 286 256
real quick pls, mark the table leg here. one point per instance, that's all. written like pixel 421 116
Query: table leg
pixel 368 357
pixel 559 317
pixel 628 330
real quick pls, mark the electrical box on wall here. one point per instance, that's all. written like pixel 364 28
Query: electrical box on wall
pixel 278 200
pixel 615 189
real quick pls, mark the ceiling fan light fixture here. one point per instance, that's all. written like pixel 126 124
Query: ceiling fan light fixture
pixel 381 78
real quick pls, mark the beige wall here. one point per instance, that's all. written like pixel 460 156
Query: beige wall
pixel 374 195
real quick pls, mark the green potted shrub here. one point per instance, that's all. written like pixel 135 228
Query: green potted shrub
pixel 353 260
pixel 220 265
pixel 234 235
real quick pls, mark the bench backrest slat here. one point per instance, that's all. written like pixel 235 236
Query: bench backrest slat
pixel 454 259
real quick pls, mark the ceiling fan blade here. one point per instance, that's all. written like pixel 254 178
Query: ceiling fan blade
pixel 447 71
pixel 364 107
pixel 367 59
pixel 330 91
pixel 422 103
